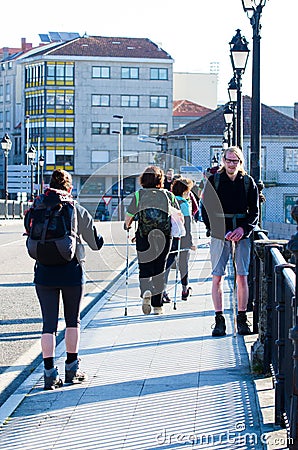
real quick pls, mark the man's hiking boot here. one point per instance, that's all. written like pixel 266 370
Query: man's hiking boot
pixel 146 305
pixel 185 294
pixel 165 297
pixel 73 374
pixel 220 326
pixel 243 325
pixel 52 380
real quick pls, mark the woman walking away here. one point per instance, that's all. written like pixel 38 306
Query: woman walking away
pixel 151 208
pixel 181 189
pixel 55 275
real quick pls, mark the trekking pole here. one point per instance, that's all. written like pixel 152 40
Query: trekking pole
pixel 233 245
pixel 126 272
pixel 176 275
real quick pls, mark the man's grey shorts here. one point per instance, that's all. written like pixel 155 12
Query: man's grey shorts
pixel 220 252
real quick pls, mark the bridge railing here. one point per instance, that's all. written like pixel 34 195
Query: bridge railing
pixel 273 296
pixel 14 210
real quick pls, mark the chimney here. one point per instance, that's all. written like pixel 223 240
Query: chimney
pixel 295 110
pixel 23 44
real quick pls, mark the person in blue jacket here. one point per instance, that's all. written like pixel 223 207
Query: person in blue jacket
pixel 181 188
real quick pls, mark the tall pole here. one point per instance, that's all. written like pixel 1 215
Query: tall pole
pixel 254 12
pixel 6 146
pixel 239 127
pixel 32 181
pixel 255 152
pixel 120 167
pixel 6 183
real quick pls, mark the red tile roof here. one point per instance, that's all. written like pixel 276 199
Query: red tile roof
pixel 186 108
pixel 274 123
pixel 114 47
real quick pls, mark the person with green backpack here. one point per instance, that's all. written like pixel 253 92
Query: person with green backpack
pixel 150 207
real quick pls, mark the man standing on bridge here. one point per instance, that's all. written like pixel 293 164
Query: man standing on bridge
pixel 230 212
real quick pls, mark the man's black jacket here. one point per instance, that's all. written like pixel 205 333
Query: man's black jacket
pixel 230 198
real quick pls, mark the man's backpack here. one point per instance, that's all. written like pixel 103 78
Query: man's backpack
pixel 154 210
pixel 52 230
pixel 246 180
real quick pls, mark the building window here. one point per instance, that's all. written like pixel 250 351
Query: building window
pixel 158 74
pixel 130 157
pixel 101 72
pixel 131 101
pixel 158 101
pixel 58 101
pixel 100 128
pixel 131 128
pixel 57 73
pixel 93 185
pixel 7 119
pixel 291 159
pixel 100 156
pixel 130 73
pixel 100 100
pixel 7 92
pixel 157 129
pixel 290 201
pixel 59 157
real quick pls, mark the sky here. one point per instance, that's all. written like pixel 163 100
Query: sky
pixel 193 32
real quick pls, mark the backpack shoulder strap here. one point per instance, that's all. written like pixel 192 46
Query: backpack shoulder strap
pixel 246 179
pixel 137 195
pixel 216 180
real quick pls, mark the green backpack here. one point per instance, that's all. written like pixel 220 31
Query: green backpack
pixel 154 210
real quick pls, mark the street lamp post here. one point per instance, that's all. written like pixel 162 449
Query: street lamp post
pixel 232 91
pixel 254 8
pixel 228 116
pixel 239 55
pixel 31 156
pixel 6 146
pixel 118 172
pixel 41 165
pixel 120 167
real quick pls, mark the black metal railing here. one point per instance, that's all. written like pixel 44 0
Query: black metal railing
pixel 273 294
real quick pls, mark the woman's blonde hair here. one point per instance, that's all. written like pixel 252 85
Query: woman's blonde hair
pixel 237 152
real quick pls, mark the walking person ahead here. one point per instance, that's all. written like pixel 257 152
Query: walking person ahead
pixel 230 213
pixel 150 206
pixel 65 278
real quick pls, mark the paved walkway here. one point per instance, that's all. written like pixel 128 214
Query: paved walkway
pixel 155 382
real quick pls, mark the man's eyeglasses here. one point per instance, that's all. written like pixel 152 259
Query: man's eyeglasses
pixel 232 161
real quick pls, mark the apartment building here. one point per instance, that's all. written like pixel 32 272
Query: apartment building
pixel 67 93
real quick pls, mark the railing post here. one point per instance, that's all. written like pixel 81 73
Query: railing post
pixel 268 300
pixel 293 334
pixel 280 342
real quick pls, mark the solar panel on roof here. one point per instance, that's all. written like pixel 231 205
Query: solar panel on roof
pixel 54 36
pixel 44 38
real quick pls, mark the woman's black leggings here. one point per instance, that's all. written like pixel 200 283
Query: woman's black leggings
pixel 49 296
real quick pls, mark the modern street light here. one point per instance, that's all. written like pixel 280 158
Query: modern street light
pixel 119 172
pixel 6 146
pixel 41 166
pixel 120 165
pixel 253 9
pixel 239 55
pixel 31 156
